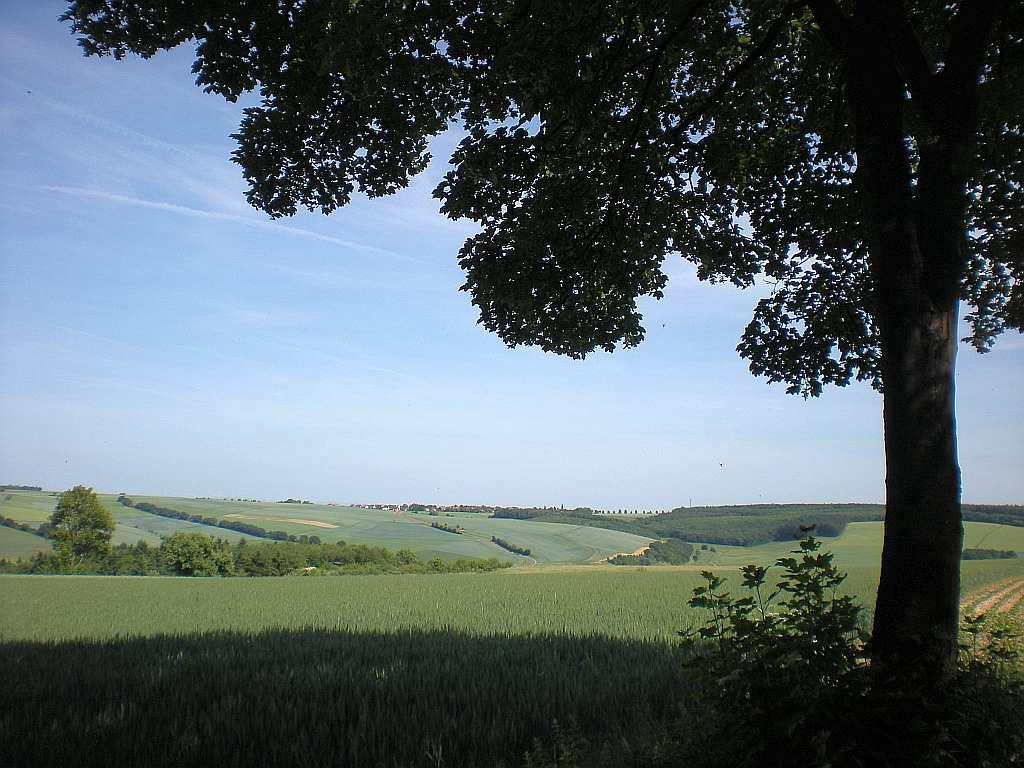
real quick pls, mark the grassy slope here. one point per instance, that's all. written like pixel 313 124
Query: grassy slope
pixel 633 603
pixel 548 542
pixel 15 544
pixel 861 545
pixel 132 525
pixel 755 524
pixel 27 506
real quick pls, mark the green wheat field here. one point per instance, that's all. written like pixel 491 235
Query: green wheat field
pixel 379 670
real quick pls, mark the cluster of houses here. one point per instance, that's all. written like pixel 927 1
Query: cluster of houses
pixel 442 508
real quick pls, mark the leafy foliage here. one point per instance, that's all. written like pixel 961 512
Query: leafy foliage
pixel 600 140
pixel 196 554
pixel 457 529
pixel 784 679
pixel 988 554
pixel 43 531
pixel 670 552
pixel 515 548
pixel 767 660
pixel 81 526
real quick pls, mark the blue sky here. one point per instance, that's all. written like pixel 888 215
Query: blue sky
pixel 158 335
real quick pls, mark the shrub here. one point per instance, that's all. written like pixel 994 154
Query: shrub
pixel 781 679
pixel 508 545
pixel 194 554
pixel 988 554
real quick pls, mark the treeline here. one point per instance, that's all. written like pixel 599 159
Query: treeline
pixel 43 530
pixel 21 488
pixel 196 554
pixel 515 548
pixel 532 513
pixel 749 524
pixel 988 554
pixel 229 525
pixel 1004 514
pixel 447 528
pixel 669 552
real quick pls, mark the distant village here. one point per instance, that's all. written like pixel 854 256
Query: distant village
pixel 485 509
pixel 467 508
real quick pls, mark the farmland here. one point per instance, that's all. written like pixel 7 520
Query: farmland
pixel 394 670
pixel 547 542
pixel 376 670
pixel 633 603
pixel 565 542
pixel 19 544
pixel 860 545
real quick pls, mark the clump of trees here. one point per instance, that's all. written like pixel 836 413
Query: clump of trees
pixel 667 552
pixel 781 675
pixel 534 513
pixel 196 554
pixel 975 553
pixel 750 524
pixel 81 527
pixel 447 528
pixel 515 548
pixel 42 530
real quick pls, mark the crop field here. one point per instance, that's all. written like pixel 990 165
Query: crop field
pixel 16 544
pixel 27 506
pixel 132 525
pixel 630 602
pixel 548 542
pixel 452 670
pixel 860 545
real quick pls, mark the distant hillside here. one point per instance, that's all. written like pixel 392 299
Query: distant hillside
pixel 750 524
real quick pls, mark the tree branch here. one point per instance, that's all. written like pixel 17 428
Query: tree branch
pixel 832 23
pixel 970 30
pixel 657 54
pixel 734 74
pixel 911 60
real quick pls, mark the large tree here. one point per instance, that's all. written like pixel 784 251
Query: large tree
pixel 80 525
pixel 862 156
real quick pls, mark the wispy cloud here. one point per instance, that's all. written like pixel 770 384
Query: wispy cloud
pixel 182 210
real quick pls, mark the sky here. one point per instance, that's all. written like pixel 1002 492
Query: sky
pixel 159 336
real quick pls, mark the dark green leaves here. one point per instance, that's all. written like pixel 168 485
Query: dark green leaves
pixel 602 140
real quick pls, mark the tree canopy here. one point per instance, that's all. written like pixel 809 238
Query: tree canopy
pixel 80 525
pixel 602 138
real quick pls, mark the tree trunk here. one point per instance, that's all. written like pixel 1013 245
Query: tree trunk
pixel 917 608
pixel 914 216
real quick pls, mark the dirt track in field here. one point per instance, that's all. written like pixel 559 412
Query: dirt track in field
pixel 1002 597
pixel 297 520
pixel 635 553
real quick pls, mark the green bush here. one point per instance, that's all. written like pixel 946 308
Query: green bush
pixel 782 678
pixel 195 554
pixel 988 554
